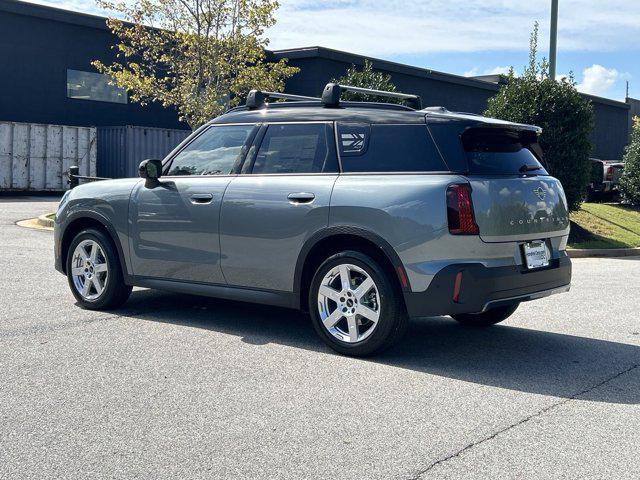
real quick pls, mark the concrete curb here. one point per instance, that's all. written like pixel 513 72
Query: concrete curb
pixel 33 224
pixel 45 221
pixel 603 252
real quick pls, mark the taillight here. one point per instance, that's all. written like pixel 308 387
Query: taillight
pixel 460 210
pixel 609 173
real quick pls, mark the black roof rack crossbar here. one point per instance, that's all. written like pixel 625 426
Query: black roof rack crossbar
pixel 331 95
pixel 257 98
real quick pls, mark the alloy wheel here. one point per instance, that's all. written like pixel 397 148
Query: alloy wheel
pixel 349 303
pixel 89 269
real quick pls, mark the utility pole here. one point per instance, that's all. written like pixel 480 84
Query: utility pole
pixel 553 40
pixel 626 96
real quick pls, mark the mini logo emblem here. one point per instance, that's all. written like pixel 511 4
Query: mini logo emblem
pixel 540 193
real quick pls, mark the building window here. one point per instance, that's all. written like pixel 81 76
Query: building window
pixel 93 86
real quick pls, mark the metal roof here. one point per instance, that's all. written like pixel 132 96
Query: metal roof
pixel 323 52
pixel 52 13
pixel 491 82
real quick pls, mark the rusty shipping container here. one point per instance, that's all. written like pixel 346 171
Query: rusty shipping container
pixel 121 149
pixel 36 157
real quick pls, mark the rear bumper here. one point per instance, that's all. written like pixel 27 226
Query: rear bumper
pixel 606 186
pixel 483 287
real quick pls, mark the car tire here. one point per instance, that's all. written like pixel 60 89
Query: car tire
pixel 488 318
pixel 95 276
pixel 377 311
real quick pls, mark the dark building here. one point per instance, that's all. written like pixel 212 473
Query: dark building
pixel 634 110
pixel 47 77
pixel 318 65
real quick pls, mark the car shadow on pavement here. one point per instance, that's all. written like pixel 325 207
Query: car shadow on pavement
pixel 503 356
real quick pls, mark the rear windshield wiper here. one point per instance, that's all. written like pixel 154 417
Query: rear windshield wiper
pixel 529 168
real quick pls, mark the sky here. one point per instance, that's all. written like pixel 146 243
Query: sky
pixel 598 40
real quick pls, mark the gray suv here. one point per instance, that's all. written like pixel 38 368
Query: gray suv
pixel 363 214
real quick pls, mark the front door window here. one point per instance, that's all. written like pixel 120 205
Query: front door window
pixel 214 152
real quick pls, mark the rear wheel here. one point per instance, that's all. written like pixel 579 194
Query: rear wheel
pixel 485 319
pixel 94 273
pixel 354 306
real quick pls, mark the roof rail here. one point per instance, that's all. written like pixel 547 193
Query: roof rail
pixel 257 98
pixel 331 95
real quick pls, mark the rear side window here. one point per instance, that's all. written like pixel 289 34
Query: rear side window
pixel 297 148
pixel 501 152
pixel 388 148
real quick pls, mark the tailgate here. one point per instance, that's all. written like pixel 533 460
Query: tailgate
pixel 511 208
pixel 618 170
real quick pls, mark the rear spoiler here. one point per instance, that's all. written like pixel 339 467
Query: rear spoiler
pixel 475 121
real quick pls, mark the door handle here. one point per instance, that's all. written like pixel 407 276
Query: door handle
pixel 301 197
pixel 201 198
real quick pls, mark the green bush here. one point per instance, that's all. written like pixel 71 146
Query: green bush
pixel 566 119
pixel 366 78
pixel 630 181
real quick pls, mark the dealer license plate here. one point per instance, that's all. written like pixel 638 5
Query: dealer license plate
pixel 535 254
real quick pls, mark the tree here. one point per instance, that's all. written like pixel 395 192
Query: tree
pixel 367 78
pixel 198 56
pixel 630 181
pixel 566 119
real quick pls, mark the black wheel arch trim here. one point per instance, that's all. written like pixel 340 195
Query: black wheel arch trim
pixel 82 214
pixel 331 231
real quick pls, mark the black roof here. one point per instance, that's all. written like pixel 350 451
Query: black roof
pixel 53 13
pixel 359 112
pixel 315 111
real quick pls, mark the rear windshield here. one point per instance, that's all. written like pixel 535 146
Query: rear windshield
pixel 388 148
pixel 502 152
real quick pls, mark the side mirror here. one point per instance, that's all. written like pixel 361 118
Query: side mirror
pixel 150 169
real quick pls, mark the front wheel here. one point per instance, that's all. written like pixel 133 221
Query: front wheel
pixel 94 273
pixel 488 318
pixel 354 306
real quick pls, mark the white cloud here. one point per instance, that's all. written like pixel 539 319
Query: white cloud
pixel 497 70
pixel 389 27
pixel 475 71
pixel 598 80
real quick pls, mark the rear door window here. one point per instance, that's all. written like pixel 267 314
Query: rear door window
pixel 296 148
pixel 501 152
pixel 388 148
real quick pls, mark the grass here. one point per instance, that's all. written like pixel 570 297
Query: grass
pixel 601 225
pixel 52 216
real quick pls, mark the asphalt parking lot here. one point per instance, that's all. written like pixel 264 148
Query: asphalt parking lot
pixel 174 386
